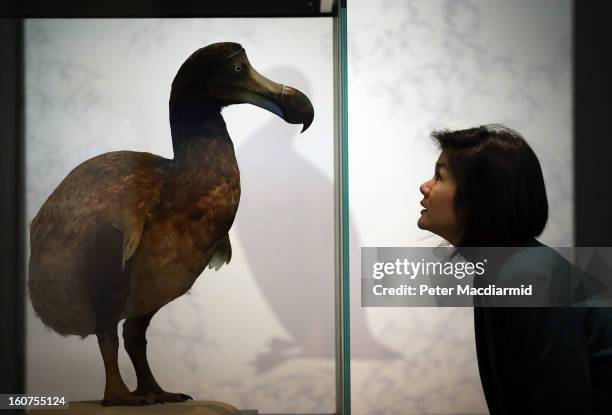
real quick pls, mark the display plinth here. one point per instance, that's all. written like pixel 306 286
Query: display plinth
pixel 183 408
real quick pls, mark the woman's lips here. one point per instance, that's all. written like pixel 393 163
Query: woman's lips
pixel 423 211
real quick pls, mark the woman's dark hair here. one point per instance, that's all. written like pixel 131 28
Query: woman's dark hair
pixel 500 196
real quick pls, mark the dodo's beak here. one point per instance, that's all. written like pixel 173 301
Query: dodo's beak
pixel 286 102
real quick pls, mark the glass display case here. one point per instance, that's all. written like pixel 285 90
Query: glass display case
pixel 266 330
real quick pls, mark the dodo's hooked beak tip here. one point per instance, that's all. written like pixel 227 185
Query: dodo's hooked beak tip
pixel 297 106
pixel 307 123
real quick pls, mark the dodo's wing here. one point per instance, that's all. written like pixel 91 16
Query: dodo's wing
pixel 222 253
pixel 119 189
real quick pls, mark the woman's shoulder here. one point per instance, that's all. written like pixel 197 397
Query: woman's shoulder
pixel 552 278
pixel 534 259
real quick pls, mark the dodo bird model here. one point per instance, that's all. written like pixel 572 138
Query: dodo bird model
pixel 127 232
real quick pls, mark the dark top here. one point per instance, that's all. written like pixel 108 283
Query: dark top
pixel 545 360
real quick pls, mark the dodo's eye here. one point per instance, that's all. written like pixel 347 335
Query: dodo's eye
pixel 237 67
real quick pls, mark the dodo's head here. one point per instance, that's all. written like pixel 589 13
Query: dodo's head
pixel 220 74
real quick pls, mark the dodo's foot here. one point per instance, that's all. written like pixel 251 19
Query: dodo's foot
pixel 173 397
pixel 129 399
pixel 163 396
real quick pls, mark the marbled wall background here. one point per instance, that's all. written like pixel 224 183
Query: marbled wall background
pixel 259 333
pixel 419 65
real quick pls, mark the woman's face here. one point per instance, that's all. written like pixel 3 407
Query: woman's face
pixel 439 203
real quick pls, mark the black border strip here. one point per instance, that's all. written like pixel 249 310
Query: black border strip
pixel 160 8
pixel 592 112
pixel 12 266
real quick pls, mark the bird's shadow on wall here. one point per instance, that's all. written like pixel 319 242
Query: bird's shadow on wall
pixel 286 228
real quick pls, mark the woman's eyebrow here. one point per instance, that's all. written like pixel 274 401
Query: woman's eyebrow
pixel 440 165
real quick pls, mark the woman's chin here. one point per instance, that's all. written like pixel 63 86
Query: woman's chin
pixel 422 223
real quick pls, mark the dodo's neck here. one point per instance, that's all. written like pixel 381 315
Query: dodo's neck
pixel 194 127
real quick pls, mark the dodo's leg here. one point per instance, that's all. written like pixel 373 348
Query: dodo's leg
pixel 115 391
pixel 135 342
pixel 107 283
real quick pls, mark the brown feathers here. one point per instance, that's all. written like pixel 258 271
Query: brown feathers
pixel 173 218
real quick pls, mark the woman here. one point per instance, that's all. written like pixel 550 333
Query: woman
pixel 488 191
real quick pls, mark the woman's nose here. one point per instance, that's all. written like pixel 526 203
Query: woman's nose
pixel 425 188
